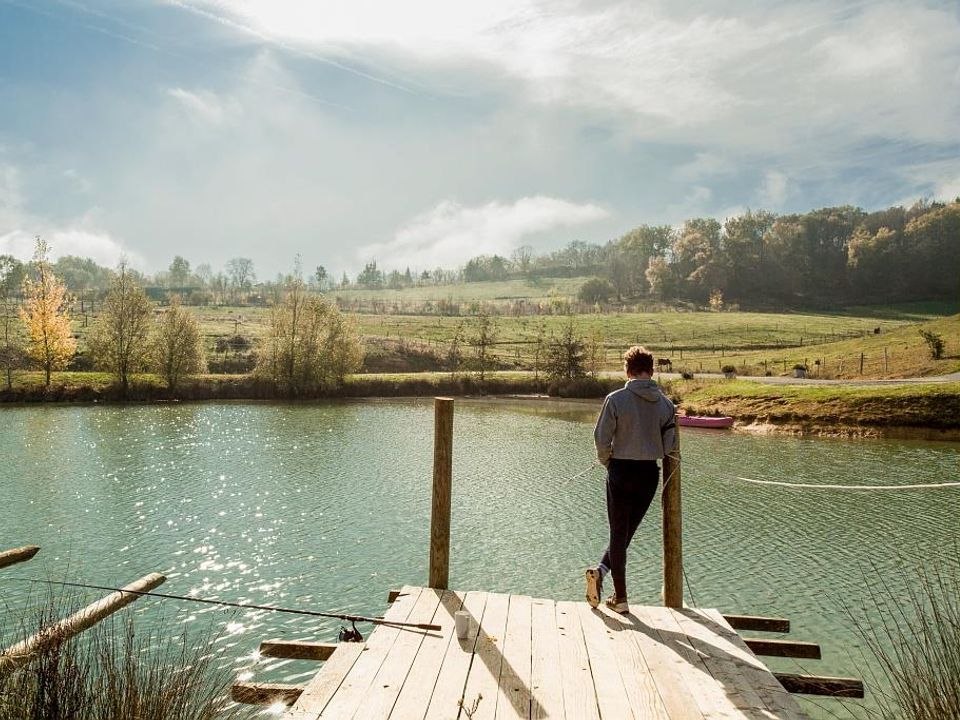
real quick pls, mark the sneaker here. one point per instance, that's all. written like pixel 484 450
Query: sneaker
pixel 594 586
pixel 618 605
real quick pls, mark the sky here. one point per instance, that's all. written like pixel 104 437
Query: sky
pixel 426 132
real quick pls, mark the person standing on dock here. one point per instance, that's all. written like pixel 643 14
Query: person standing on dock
pixel 636 428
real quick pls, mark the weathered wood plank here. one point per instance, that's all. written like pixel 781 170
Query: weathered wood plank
pixel 713 700
pixel 355 685
pixel 629 661
pixel 23 652
pixel 448 690
pixel 297 649
pixel 484 679
pixel 663 662
pixel 611 693
pixel 838 687
pixel 756 623
pixel 414 697
pixel 17 555
pixel 545 682
pixel 258 693
pixel 783 648
pixel 755 673
pixel 579 694
pixel 325 683
pixel 379 699
pixel 513 700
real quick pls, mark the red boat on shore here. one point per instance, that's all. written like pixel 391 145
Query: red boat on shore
pixel 702 421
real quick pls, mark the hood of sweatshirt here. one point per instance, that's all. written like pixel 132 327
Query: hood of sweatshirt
pixel 646 389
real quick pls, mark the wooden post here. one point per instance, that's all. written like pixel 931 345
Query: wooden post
pixel 23 652
pixel 672 529
pixel 442 481
pixel 21 554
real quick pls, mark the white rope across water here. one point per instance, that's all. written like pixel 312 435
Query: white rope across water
pixel 818 486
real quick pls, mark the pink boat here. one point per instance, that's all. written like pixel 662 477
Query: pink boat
pixel 705 422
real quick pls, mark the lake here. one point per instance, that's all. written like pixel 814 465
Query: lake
pixel 327 506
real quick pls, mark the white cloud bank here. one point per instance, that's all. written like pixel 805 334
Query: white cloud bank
pixel 450 233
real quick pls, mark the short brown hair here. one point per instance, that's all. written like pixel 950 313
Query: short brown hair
pixel 638 360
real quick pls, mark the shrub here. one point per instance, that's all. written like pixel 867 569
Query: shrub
pixel 934 343
pixel 596 290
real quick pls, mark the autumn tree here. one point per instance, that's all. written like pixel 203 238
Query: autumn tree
pixel 119 342
pixel 485 334
pixel 11 350
pixel 46 315
pixel 177 345
pixel 309 345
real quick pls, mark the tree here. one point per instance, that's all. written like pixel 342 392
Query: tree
pixel 370 277
pixel 11 350
pixel 565 354
pixel 934 343
pixel 596 290
pixel 321 277
pixel 596 353
pixel 482 340
pixel 119 342
pixel 242 276
pixel 47 318
pixel 539 344
pixel 455 354
pixel 177 346
pixel 309 345
pixel 179 273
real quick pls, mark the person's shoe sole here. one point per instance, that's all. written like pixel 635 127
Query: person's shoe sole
pixel 593 587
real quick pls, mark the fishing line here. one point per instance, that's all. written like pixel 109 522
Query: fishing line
pixel 817 486
pixel 242 606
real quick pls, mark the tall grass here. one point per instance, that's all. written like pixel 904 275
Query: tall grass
pixel 111 672
pixel 914 637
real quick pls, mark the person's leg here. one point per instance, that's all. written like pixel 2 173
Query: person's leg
pixel 618 516
pixel 644 477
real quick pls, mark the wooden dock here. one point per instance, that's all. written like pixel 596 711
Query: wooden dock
pixel 534 658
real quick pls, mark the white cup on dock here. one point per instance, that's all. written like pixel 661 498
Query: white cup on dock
pixel 462 620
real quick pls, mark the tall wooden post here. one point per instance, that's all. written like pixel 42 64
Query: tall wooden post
pixel 672 530
pixel 442 481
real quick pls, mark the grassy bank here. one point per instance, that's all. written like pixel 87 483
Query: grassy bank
pixel 815 408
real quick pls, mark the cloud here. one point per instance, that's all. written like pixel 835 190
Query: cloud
pixel 205 107
pixel 450 233
pixel 773 190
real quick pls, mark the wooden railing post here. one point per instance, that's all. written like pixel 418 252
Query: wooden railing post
pixel 442 481
pixel 672 530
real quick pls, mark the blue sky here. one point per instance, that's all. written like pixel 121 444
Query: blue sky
pixel 426 132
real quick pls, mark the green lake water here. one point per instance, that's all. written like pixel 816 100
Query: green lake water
pixel 327 507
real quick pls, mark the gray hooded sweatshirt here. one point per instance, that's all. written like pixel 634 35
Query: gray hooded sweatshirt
pixel 636 423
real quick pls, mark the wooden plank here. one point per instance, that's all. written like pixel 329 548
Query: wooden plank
pixel 665 672
pixel 757 623
pixel 731 646
pixel 627 658
pixel 24 651
pixel 711 698
pixel 838 687
pixel 757 673
pixel 355 685
pixel 378 701
pixel 545 682
pixel 783 648
pixel 325 683
pixel 513 700
pixel 297 649
pixel 579 695
pixel 17 555
pixel 483 680
pixel 417 690
pixel 611 692
pixel 448 690
pixel 258 693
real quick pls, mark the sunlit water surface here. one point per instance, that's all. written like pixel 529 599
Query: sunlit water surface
pixel 327 507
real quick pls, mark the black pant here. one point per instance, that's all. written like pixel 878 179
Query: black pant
pixel 631 485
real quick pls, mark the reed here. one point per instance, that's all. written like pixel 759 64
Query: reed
pixel 113 671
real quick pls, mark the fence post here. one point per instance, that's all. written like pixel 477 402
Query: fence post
pixel 442 481
pixel 672 529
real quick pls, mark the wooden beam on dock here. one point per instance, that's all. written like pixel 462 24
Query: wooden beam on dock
pixel 297 649
pixel 18 555
pixel 442 481
pixel 838 687
pixel 23 652
pixel 783 648
pixel 255 693
pixel 756 623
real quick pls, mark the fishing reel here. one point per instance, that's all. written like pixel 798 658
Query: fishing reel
pixel 350 634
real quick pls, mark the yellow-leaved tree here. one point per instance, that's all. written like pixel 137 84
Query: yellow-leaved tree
pixel 45 313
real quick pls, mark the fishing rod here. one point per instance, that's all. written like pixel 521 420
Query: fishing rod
pixel 242 606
